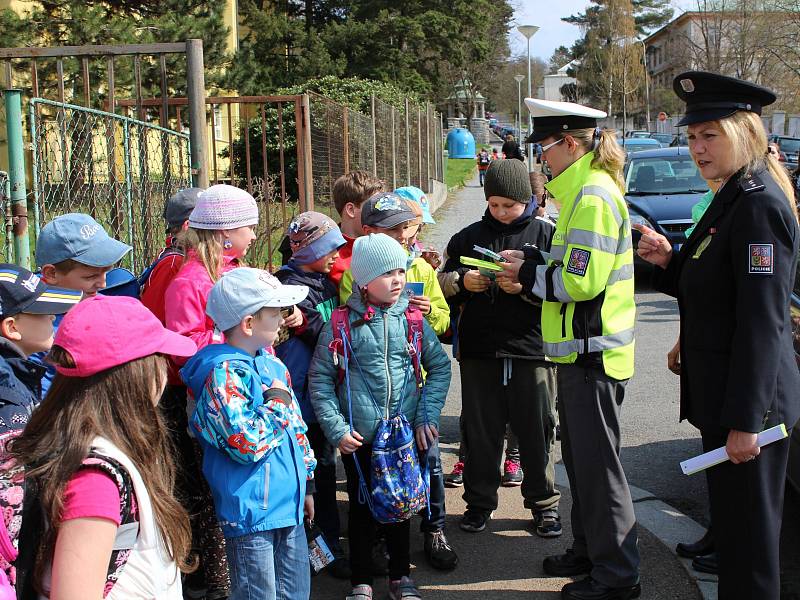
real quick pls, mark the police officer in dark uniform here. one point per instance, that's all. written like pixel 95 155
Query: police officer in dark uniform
pixel 733 279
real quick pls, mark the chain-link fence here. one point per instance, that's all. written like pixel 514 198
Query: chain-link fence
pixel 116 169
pixel 401 146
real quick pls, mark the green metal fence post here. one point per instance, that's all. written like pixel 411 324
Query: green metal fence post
pixel 16 175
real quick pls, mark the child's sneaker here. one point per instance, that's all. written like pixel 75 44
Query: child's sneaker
pixel 547 523
pixel 512 474
pixel 403 589
pixel 360 592
pixel 474 520
pixel 455 478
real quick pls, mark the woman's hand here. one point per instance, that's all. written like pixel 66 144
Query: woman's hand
pixel 350 442
pixel 742 446
pixel 512 254
pixel 475 282
pixel 425 435
pixel 653 247
pixel 674 358
pixel 511 267
pixel 295 319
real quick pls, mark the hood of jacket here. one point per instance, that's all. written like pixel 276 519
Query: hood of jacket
pixel 20 378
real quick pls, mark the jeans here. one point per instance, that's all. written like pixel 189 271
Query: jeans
pixel 438 512
pixel 270 565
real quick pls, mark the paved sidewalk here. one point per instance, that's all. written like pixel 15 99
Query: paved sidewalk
pixel 504 562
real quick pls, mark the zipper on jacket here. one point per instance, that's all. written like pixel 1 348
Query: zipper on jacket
pixel 563 320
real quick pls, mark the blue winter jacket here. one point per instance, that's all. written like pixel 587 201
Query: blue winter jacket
pixel 256 457
pixel 381 350
pixel 20 387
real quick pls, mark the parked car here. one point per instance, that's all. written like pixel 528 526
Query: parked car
pixel 639 144
pixel 662 186
pixel 793 471
pixel 679 139
pixel 637 133
pixel 665 139
pixel 790 147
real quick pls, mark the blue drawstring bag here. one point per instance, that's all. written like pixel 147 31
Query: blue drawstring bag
pixel 399 484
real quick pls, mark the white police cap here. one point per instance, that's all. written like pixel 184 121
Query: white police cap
pixel 550 117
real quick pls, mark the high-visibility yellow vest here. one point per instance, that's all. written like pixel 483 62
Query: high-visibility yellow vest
pixel 587 286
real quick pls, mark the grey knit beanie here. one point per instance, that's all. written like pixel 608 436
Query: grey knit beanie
pixel 374 255
pixel 508 178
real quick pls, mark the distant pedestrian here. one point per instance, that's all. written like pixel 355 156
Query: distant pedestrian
pixel 511 148
pixel 483 163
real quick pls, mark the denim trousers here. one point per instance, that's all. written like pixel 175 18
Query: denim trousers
pixel 270 565
pixel 434 522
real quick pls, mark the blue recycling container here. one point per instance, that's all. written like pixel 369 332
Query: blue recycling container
pixel 460 143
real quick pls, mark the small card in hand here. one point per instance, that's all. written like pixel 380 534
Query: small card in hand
pixel 283 332
pixel 319 555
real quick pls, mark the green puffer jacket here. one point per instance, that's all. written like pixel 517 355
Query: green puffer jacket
pixel 381 350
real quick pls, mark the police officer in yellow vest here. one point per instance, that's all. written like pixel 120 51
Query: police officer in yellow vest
pixel 588 313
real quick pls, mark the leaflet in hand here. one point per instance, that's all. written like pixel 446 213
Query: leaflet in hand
pixel 715 457
pixel 481 264
pixel 490 253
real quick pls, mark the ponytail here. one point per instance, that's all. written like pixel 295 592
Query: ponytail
pixel 608 156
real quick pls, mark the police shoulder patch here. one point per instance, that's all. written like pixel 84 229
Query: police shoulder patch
pixel 578 261
pixel 761 259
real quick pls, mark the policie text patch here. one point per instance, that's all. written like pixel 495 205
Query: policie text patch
pixel 578 261
pixel 761 258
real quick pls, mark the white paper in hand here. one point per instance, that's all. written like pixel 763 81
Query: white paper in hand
pixel 715 457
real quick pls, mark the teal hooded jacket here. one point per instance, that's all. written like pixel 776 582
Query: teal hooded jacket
pixel 385 381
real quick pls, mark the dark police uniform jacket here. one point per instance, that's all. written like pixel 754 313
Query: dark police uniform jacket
pixel 733 279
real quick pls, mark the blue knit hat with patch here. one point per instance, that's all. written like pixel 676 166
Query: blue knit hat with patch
pixel 374 255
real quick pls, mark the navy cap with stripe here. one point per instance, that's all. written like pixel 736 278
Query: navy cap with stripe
pixel 24 292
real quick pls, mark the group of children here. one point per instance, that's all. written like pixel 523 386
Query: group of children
pixel 189 439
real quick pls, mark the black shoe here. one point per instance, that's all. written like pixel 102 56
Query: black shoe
pixel 706 564
pixel 438 551
pixel 702 547
pixel 474 520
pixel 589 589
pixel 567 565
pixel 547 523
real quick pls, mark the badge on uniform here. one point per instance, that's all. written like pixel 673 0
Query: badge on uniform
pixel 703 245
pixel 761 259
pixel 578 261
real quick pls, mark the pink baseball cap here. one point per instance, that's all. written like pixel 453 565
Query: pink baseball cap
pixel 107 331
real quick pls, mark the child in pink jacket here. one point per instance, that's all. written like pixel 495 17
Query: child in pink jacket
pixel 221 229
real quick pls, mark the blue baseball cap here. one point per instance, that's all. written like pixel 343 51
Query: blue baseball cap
pixel 414 194
pixel 78 237
pixel 245 291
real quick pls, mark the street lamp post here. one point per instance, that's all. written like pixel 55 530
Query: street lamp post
pixel 528 31
pixel 518 79
pixel 646 81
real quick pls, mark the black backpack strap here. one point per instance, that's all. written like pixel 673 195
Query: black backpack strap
pixel 31 534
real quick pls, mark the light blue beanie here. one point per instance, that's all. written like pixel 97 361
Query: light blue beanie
pixel 374 255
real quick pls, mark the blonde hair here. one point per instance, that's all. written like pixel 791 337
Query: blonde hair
pixel 749 147
pixel 208 247
pixel 608 156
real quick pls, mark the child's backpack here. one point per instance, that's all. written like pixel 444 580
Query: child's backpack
pixel 22 524
pixel 483 158
pixel 121 282
pixel 399 484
